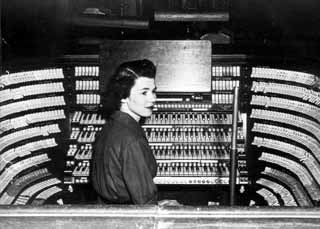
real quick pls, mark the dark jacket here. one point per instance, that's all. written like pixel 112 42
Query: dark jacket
pixel 123 166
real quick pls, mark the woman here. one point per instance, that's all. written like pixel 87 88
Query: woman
pixel 123 166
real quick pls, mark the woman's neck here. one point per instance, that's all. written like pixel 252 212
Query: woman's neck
pixel 124 108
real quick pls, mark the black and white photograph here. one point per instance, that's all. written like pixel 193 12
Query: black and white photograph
pixel 160 114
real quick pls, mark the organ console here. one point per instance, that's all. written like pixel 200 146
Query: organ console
pixel 49 120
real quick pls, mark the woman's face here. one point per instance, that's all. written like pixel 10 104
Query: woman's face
pixel 141 99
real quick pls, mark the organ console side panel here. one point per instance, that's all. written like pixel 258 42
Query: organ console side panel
pixel 285 125
pixel 33 121
pixel 85 124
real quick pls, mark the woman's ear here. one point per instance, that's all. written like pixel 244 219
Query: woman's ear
pixel 123 100
pixel 124 104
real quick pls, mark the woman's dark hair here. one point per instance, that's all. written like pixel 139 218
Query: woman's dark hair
pixel 122 81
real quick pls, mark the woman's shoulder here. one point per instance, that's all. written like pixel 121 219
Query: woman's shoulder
pixel 121 131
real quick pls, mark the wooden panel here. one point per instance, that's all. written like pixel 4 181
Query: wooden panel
pixel 182 66
pixel 87 216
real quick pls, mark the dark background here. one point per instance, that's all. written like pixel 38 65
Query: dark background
pixel 45 28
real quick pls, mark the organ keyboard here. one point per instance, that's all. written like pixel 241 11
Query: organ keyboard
pixel 190 140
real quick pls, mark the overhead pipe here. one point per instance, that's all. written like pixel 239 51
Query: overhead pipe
pixel 183 16
pixel 129 23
